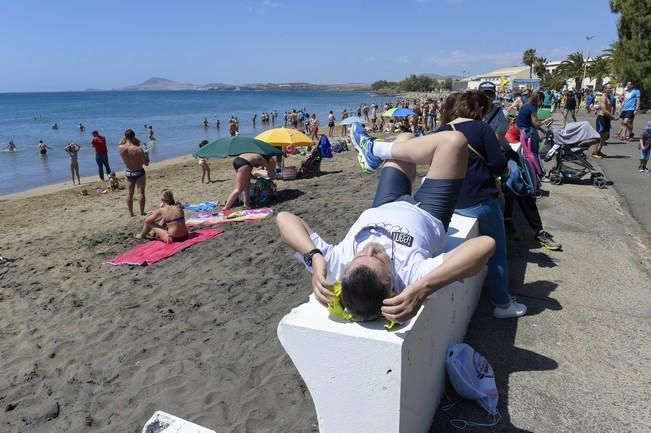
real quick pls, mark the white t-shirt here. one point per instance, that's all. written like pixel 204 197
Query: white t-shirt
pixel 417 240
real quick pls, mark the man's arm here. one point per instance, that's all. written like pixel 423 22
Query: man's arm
pixel 462 262
pixel 296 233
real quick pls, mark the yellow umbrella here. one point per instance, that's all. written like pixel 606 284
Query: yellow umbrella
pixel 281 137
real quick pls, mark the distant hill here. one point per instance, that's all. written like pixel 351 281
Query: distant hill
pixel 156 83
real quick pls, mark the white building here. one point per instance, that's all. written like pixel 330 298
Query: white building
pixel 518 76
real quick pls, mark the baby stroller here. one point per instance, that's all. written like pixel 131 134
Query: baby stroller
pixel 568 146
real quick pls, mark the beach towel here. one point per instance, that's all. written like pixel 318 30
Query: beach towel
pixel 208 219
pixel 154 251
pixel 206 206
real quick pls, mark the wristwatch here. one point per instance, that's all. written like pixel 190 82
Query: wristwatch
pixel 307 257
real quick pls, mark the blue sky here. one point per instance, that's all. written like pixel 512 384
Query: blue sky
pixel 74 45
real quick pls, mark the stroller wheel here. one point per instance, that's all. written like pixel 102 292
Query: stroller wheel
pixel 599 182
pixel 555 177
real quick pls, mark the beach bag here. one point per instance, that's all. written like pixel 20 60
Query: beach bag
pixel 472 377
pixel 262 191
pixel 324 147
pixel 290 173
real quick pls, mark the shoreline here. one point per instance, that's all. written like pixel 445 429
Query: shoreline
pixel 87 180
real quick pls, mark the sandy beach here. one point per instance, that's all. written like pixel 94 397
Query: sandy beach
pixel 90 347
pixel 86 347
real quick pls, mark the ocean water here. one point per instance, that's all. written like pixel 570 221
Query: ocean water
pixel 175 116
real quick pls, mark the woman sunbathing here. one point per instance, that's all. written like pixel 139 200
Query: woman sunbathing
pixel 166 223
pixel 243 166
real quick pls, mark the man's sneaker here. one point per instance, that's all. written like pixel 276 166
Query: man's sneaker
pixel 363 144
pixel 597 156
pixel 546 240
pixel 515 309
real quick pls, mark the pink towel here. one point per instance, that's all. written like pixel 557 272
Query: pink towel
pixel 154 251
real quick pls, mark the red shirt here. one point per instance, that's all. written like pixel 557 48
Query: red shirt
pixel 99 143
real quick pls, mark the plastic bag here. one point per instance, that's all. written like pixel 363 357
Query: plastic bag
pixel 472 377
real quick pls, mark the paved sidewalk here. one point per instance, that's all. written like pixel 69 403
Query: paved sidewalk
pixel 621 167
pixel 578 362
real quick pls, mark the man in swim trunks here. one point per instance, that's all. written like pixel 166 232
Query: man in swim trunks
pixel 604 116
pixel 134 159
pixel 396 246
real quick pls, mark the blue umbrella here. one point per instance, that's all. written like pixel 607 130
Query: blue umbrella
pixel 398 112
pixel 351 120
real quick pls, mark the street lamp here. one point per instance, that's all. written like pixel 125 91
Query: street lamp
pixel 585 61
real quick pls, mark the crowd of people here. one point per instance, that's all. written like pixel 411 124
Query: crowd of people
pixel 392 257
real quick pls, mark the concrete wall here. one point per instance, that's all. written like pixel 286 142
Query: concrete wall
pixel 365 379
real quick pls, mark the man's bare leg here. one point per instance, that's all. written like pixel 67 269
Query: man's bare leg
pixel 446 153
pixel 141 182
pixel 132 189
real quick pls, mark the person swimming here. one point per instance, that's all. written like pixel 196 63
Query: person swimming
pixel 11 147
pixel 42 148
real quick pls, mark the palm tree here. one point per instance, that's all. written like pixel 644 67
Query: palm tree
pixel 599 68
pixel 540 66
pixel 552 80
pixel 528 58
pixel 573 67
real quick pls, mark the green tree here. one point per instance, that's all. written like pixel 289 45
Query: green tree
pixel 598 69
pixel 417 83
pixel 573 68
pixel 540 66
pixel 552 80
pixel 528 58
pixel 631 56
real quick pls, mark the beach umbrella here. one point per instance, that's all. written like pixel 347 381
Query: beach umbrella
pixel 234 146
pixel 398 112
pixel 281 137
pixel 351 120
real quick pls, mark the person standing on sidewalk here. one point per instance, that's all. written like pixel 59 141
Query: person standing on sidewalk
pixel 497 119
pixel 101 154
pixel 604 116
pixel 630 106
pixel 480 195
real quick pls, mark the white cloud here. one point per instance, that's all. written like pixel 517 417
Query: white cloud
pixel 265 5
pixel 457 57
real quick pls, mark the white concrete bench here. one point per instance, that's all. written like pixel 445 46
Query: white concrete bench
pixel 365 379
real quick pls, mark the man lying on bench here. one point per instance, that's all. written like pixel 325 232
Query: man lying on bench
pixel 391 259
